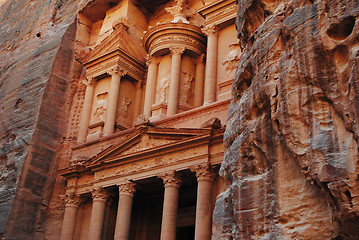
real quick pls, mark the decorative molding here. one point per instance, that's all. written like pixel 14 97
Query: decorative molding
pixel 99 194
pixel 160 38
pixel 128 188
pixel 71 199
pixel 171 179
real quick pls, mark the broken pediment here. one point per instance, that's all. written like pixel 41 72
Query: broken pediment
pixel 118 40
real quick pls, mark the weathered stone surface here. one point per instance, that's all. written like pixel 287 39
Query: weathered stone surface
pixel 291 162
pixel 36 52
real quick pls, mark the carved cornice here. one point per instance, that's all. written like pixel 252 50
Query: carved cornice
pixel 177 50
pixel 160 38
pixel 128 188
pixel 171 179
pixel 99 194
pixel 204 172
pixel 212 30
pixel 71 199
pixel 219 13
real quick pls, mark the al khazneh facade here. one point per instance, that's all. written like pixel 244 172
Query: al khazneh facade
pixel 155 86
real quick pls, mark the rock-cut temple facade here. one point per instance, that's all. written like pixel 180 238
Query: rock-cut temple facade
pixel 145 136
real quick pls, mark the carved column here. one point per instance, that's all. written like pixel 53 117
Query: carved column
pixel 138 100
pixel 174 80
pixel 123 220
pixel 99 198
pixel 114 91
pixel 198 85
pixel 86 110
pixel 211 64
pixel 151 85
pixel 205 178
pixel 170 206
pixel 72 203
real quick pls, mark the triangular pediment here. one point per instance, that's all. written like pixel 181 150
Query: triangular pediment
pixel 118 40
pixel 148 140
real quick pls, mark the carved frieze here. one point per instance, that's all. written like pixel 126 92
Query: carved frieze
pixel 160 38
pixel 219 12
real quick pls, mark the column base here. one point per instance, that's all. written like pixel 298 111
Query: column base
pixel 159 111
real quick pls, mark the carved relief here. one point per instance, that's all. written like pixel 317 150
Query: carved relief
pixel 232 60
pixel 177 10
pixel 101 107
pixel 163 88
pixel 186 92
pixel 211 30
pixel 124 103
pixel 146 143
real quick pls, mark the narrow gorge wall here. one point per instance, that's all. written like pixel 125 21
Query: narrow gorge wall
pixel 291 161
pixel 36 59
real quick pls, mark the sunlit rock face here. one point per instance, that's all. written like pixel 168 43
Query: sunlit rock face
pixel 291 161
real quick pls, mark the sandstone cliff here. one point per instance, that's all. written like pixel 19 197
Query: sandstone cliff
pixel 36 59
pixel 292 136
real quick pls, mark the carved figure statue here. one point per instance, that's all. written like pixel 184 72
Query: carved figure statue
pixel 177 10
pixel 101 107
pixel 186 91
pixel 232 59
pixel 163 89
pixel 124 106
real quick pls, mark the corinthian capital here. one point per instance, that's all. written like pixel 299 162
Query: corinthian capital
pixel 177 50
pixel 212 30
pixel 99 194
pixel 128 188
pixel 88 81
pixel 204 172
pixel 71 199
pixel 170 179
pixel 151 59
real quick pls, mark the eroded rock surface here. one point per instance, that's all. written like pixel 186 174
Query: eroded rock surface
pixel 292 135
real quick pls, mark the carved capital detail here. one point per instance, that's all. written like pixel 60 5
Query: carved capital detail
pixel 99 194
pixel 171 179
pixel 117 71
pixel 151 59
pixel 71 199
pixel 128 188
pixel 177 50
pixel 88 81
pixel 212 30
pixel 204 173
pixel 200 59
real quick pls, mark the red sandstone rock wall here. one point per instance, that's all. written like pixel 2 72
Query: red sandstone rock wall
pixel 36 59
pixel 293 125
